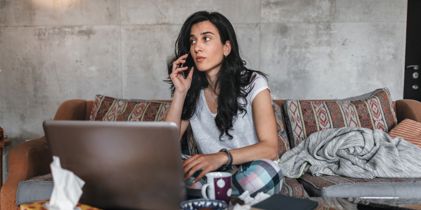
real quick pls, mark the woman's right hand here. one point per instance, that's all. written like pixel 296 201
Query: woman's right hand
pixel 181 84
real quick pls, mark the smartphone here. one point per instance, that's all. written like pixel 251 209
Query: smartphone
pixel 189 63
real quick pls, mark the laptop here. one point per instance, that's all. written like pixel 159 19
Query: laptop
pixel 125 165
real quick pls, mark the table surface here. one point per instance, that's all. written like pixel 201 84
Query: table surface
pixel 324 203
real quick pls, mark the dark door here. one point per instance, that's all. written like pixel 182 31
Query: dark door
pixel 412 86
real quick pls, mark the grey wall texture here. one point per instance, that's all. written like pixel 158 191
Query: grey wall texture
pixel 53 50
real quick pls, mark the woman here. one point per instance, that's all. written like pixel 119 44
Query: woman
pixel 228 106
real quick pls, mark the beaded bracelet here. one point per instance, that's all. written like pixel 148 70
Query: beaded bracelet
pixel 227 166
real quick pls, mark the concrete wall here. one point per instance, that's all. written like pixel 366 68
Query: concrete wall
pixel 53 50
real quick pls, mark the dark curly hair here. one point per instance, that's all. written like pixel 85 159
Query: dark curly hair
pixel 234 78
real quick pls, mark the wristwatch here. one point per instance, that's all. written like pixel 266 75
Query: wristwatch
pixel 227 166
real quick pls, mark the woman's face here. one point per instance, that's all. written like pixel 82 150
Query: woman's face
pixel 206 47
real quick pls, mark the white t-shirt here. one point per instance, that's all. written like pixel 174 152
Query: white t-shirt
pixel 243 131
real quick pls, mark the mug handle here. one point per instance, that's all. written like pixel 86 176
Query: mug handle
pixel 204 191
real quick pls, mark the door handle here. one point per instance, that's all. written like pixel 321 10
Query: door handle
pixel 414 67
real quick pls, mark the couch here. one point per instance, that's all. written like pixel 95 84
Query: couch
pixel 29 176
pixel 29 162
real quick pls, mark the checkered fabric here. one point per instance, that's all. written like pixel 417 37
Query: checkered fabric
pixel 258 176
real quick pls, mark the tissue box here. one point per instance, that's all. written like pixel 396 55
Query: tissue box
pixel 40 206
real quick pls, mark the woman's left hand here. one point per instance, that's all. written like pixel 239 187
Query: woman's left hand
pixel 203 162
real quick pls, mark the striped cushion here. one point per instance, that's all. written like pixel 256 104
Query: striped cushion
pixel 113 109
pixel 373 110
pixel 409 130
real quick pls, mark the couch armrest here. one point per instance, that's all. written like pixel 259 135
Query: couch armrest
pixel 26 160
pixel 74 109
pixel 408 108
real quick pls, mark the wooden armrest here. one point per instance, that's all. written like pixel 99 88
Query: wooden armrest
pixel 31 158
pixel 75 109
pixel 408 109
pixel 26 160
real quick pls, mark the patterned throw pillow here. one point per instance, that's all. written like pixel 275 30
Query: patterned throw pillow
pixel 373 110
pixel 409 130
pixel 107 108
pixel 281 129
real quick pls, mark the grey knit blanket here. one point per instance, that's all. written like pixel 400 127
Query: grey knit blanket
pixel 353 152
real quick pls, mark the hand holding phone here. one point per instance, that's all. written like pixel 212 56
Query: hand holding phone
pixel 188 62
pixel 181 74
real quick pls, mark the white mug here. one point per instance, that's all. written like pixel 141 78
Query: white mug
pixel 218 186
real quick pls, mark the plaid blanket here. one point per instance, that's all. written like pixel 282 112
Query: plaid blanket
pixel 257 176
pixel 254 177
pixel 353 152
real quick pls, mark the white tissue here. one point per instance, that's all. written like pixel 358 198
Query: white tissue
pixel 67 188
pixel 249 201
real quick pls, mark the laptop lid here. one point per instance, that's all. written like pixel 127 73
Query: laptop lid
pixel 131 165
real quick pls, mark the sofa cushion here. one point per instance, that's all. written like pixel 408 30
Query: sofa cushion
pixel 281 128
pixel 113 109
pixel 38 188
pixel 372 110
pixel 291 187
pixel 338 186
pixel 409 130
